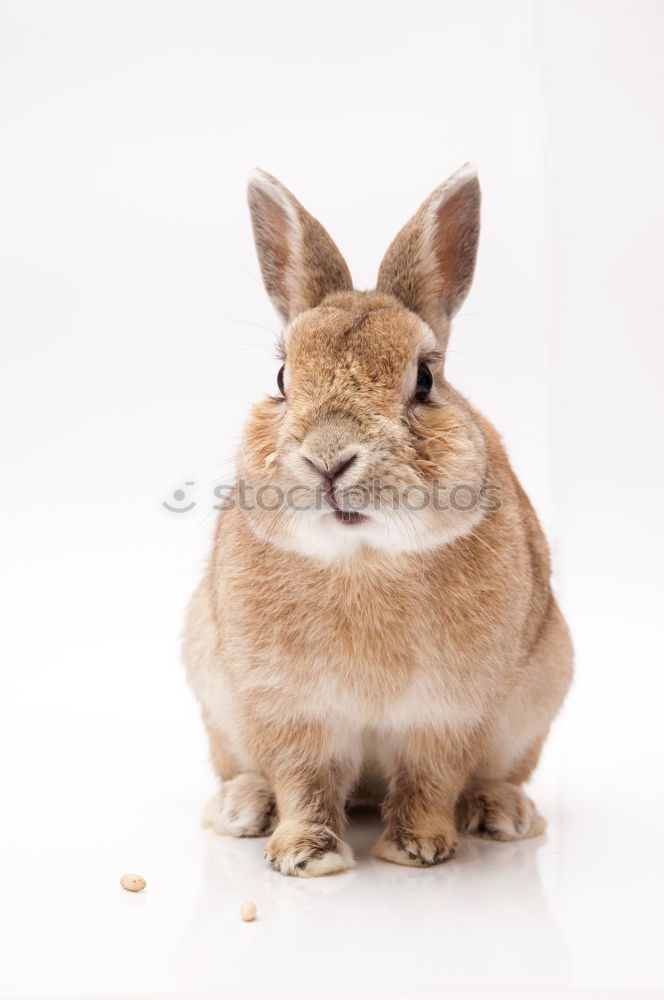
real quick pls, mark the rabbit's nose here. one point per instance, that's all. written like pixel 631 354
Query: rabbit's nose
pixel 331 471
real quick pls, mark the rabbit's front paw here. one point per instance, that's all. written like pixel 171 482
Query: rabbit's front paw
pixel 414 850
pixel 498 810
pixel 307 850
pixel 244 807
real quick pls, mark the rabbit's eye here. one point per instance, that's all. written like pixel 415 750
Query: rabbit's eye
pixel 424 382
pixel 280 381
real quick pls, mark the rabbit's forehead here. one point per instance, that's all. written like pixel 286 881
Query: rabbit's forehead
pixel 381 340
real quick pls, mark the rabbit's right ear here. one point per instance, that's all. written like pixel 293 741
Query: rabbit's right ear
pixel 299 262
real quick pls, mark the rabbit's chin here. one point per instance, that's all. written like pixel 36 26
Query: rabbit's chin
pixel 324 536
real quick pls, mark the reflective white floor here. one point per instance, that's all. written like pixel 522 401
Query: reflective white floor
pixel 495 916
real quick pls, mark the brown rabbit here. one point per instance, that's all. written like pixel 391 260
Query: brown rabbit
pixel 376 619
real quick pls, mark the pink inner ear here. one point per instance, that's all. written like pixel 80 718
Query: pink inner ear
pixel 453 244
pixel 273 233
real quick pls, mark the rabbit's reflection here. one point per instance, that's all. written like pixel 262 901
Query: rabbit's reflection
pixel 482 919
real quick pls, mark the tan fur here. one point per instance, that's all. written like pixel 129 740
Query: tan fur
pixel 422 651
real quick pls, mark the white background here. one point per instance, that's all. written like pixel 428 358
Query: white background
pixel 135 335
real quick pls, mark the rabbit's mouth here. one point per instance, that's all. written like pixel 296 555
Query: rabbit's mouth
pixel 345 516
pixel 349 516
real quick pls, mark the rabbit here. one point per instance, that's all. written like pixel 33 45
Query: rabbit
pixel 382 624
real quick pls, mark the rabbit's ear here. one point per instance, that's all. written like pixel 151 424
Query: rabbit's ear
pixel 299 262
pixel 429 265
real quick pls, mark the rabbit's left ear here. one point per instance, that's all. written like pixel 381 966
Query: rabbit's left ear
pixel 299 261
pixel 429 265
